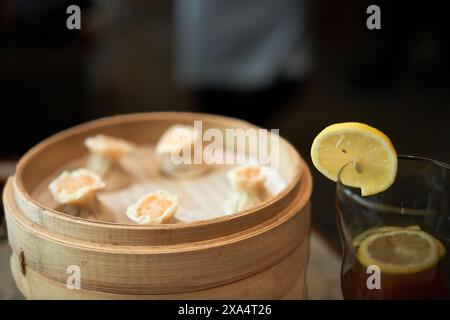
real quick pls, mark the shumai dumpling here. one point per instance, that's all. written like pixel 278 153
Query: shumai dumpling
pixel 75 191
pixel 176 150
pixel 105 153
pixel 248 184
pixel 154 208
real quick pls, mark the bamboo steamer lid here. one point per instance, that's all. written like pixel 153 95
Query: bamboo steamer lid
pixel 173 260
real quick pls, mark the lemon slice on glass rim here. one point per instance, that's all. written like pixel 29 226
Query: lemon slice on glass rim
pixel 357 154
pixel 402 251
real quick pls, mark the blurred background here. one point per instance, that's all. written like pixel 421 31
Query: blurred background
pixel 296 65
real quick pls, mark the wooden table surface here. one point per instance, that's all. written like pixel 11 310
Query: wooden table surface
pixel 323 270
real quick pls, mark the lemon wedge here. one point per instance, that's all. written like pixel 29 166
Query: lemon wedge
pixel 363 156
pixel 402 251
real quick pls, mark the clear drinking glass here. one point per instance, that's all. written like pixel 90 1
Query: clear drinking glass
pixel 419 198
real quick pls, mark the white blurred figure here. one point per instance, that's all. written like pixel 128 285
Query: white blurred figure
pixel 240 45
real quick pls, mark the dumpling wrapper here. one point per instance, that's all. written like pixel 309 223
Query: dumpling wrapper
pixel 105 153
pixel 248 183
pixel 76 187
pixel 154 208
pixel 176 138
pixel 108 147
pixel 174 142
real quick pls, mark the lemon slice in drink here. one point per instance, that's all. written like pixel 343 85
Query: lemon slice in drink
pixel 400 251
pixel 363 155
pixel 360 237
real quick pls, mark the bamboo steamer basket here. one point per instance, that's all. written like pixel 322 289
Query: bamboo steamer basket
pixel 258 253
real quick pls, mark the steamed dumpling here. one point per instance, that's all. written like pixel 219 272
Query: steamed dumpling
pixel 154 208
pixel 75 191
pixel 176 150
pixel 76 187
pixel 105 153
pixel 248 184
pixel 108 147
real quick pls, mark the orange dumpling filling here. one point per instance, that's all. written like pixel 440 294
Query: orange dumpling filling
pixel 246 177
pixel 75 187
pixel 153 208
pixel 249 172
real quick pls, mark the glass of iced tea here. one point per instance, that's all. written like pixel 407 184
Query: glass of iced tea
pixel 396 243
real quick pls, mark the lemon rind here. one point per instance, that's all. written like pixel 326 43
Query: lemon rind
pixel 366 260
pixel 364 130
